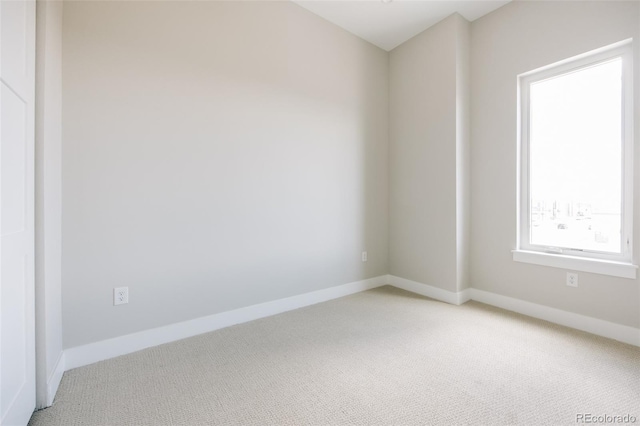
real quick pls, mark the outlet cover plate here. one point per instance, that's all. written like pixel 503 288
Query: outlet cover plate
pixel 120 295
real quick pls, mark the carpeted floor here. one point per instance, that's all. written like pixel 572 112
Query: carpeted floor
pixel 382 357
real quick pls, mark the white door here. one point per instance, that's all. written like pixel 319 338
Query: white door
pixel 17 325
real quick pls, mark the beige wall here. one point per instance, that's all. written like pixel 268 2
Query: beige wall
pixel 216 155
pixel 428 139
pixel 516 38
pixel 222 154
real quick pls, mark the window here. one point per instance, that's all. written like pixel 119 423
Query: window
pixel 576 151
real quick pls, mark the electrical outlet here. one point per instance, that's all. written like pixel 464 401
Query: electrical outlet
pixel 572 279
pixel 364 256
pixel 120 295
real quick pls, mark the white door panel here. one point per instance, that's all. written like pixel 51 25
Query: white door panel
pixel 13 168
pixel 17 325
pixel 15 39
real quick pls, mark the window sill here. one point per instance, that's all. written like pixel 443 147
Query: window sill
pixel 596 266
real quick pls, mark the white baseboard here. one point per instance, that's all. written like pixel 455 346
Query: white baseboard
pixel 591 325
pixel 105 349
pixel 110 348
pixel 53 382
pixel 454 298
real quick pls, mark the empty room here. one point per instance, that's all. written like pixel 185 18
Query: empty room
pixel 367 212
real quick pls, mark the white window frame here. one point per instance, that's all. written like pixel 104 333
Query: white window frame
pixel 570 258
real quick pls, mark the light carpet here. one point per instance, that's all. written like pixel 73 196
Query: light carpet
pixel 381 357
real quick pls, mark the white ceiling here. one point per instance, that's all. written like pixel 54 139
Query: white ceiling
pixel 388 25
